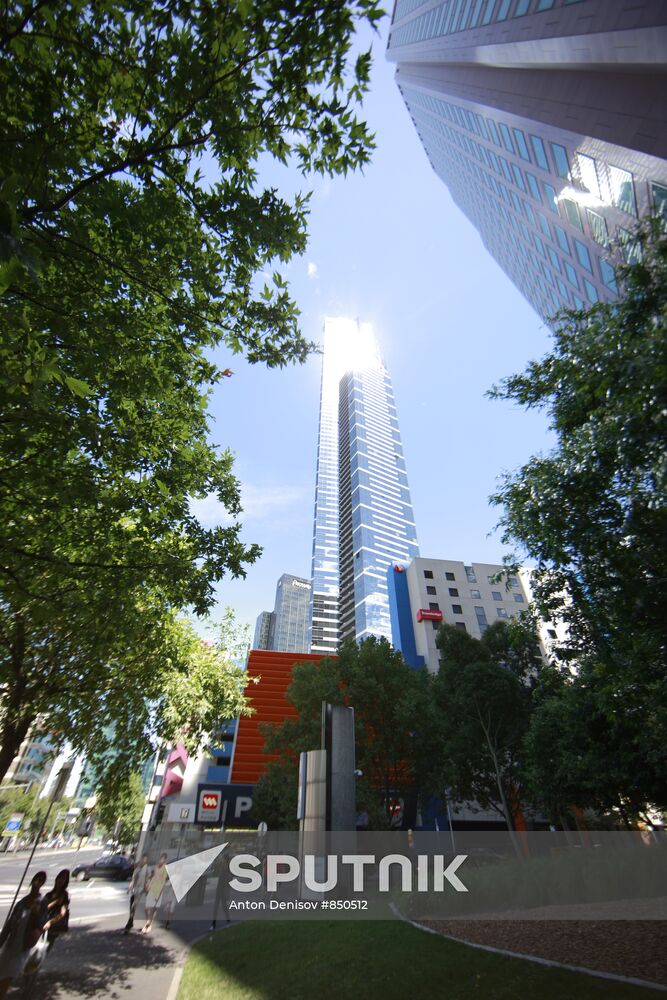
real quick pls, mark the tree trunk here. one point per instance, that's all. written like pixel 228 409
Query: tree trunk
pixel 16 717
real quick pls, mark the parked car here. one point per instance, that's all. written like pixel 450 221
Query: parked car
pixel 112 866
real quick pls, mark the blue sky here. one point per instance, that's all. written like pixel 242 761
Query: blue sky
pixel 390 247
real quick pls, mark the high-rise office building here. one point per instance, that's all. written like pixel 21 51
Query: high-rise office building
pixel 363 512
pixel 285 629
pixel 547 121
pixel 264 624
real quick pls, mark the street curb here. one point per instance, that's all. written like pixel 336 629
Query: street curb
pixel 178 974
pixel 628 980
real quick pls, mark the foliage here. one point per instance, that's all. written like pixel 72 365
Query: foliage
pixel 388 700
pixel 579 757
pixel 34 809
pixel 480 710
pixel 133 237
pixel 592 513
pixel 120 810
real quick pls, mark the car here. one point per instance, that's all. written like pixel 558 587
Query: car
pixel 112 866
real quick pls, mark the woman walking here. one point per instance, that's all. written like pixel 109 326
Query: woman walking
pixel 136 889
pixel 155 888
pixel 20 933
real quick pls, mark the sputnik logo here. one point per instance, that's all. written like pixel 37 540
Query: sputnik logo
pixel 184 873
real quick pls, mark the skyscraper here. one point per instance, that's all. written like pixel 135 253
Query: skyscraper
pixel 363 512
pixel 285 629
pixel 547 121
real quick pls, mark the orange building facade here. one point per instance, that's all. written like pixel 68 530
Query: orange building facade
pixel 268 698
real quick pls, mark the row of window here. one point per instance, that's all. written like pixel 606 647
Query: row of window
pixel 459 15
pixel 474 594
pixel 533 241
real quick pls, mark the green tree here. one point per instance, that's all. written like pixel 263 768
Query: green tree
pixel 133 236
pixel 389 700
pixel 592 514
pixel 119 811
pixel 480 711
pixel 579 757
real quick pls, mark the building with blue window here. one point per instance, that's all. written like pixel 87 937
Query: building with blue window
pixel 547 121
pixel 363 513
pixel 285 629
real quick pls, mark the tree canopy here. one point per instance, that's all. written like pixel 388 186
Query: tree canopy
pixel 592 514
pixel 134 234
pixel 119 810
pixel 389 699
pixel 480 713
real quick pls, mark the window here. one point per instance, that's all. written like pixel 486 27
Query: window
pixel 588 174
pixel 519 598
pixel 659 199
pixel 518 177
pixel 533 186
pixel 449 576
pixel 501 612
pixel 453 592
pixel 475 594
pixel 583 255
pixel 554 258
pixel 622 190
pixel 436 626
pixel 608 275
pixel 551 632
pixel 550 196
pixel 544 225
pixel 481 614
pixel 561 161
pixel 457 609
pixel 502 10
pixel 521 7
pixel 506 137
pixel 431 590
pixel 433 606
pixel 496 595
pixel 539 152
pixel 561 239
pixel 572 212
pixel 598 227
pixel 428 573
pixel 591 291
pixel 632 250
pixel 571 274
pixel 521 144
pixel 470 574
pixel 544 4
pixel 461 625
pixel 493 131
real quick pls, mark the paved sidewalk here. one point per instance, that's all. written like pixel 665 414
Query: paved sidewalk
pixel 95 959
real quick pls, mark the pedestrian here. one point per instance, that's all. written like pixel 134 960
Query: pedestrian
pixel 154 889
pixel 168 903
pixel 136 889
pixel 56 903
pixel 53 921
pixel 20 933
pixel 221 891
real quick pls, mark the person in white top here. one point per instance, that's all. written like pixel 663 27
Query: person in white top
pixel 136 889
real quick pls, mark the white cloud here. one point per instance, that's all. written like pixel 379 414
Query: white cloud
pixel 312 270
pixel 258 502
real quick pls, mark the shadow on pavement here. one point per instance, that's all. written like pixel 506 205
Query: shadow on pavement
pixel 90 962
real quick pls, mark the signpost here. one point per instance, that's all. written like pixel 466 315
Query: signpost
pixel 13 825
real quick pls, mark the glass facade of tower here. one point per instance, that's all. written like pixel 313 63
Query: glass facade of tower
pixel 290 631
pixel 366 521
pixel 545 121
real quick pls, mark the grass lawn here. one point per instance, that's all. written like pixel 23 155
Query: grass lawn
pixel 364 960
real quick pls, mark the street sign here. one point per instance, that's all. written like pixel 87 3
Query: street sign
pixel 13 825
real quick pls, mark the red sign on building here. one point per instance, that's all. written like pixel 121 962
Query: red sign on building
pixel 426 615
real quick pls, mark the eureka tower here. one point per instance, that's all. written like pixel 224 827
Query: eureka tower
pixel 363 513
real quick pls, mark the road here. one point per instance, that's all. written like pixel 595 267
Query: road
pixel 91 901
